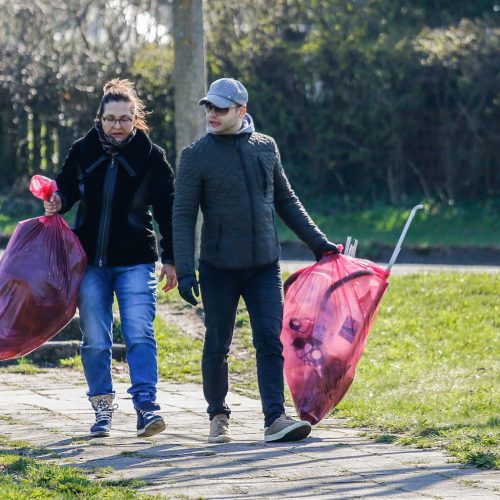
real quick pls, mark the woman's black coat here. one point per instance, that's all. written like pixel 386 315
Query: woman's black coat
pixel 114 221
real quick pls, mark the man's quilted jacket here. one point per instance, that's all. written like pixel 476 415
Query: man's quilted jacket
pixel 239 184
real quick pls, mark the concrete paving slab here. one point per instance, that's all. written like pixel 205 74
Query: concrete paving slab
pixel 51 412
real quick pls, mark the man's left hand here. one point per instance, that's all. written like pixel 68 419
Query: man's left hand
pixel 168 270
pixel 326 248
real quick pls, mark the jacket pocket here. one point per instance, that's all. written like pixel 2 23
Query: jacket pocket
pixel 276 239
pixel 266 174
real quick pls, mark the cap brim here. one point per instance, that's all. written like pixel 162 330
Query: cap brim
pixel 217 100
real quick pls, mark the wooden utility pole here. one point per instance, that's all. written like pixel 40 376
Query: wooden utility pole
pixel 189 72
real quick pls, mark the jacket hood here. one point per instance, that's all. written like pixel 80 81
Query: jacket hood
pixel 247 127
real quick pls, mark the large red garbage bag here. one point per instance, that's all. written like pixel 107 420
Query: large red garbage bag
pixel 40 273
pixel 329 308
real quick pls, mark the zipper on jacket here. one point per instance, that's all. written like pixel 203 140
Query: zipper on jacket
pixel 250 196
pixel 107 201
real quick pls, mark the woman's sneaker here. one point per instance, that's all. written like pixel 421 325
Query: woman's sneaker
pixel 149 423
pixel 219 429
pixel 104 408
pixel 287 429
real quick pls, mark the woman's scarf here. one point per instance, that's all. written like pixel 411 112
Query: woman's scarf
pixel 111 146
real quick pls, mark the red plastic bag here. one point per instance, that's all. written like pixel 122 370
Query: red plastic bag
pixel 329 309
pixel 40 273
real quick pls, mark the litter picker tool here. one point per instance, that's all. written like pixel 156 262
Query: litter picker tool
pixel 402 237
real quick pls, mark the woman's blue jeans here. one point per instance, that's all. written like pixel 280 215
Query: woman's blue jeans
pixel 135 288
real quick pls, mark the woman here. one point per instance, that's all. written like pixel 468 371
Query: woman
pixel 116 174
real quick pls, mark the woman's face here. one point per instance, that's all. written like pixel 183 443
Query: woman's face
pixel 118 119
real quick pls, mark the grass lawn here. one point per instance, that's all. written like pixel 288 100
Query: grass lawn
pixel 25 208
pixel 433 226
pixel 430 375
pixel 24 477
pixel 179 356
pixel 474 225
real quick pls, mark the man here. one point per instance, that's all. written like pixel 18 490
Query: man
pixel 234 175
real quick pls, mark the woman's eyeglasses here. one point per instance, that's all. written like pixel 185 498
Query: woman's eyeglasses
pixel 123 121
pixel 218 111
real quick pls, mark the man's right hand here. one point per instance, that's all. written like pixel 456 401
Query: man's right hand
pixel 53 206
pixel 187 285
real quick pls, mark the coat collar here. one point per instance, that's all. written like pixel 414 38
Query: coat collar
pixel 133 157
pixel 229 138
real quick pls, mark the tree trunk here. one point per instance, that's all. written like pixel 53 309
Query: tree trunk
pixel 64 141
pixel 189 72
pixel 23 157
pixel 7 149
pixel 50 164
pixel 189 78
pixel 36 157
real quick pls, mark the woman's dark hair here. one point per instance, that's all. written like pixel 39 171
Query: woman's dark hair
pixel 117 90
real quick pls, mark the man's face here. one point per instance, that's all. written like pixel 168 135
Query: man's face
pixel 224 120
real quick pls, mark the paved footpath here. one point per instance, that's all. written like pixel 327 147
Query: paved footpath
pixel 50 411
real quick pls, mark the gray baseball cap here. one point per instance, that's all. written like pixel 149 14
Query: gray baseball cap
pixel 225 92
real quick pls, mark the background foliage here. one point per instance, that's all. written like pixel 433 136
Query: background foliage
pixel 369 100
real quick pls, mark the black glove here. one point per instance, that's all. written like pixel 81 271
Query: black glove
pixel 326 247
pixel 187 285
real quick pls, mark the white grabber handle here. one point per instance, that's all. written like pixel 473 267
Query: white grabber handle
pixel 402 237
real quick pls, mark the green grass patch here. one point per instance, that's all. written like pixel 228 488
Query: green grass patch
pixel 75 363
pixel 25 477
pixel 179 356
pixel 24 366
pixel 16 209
pixel 242 358
pixel 102 472
pixel 8 223
pixel 431 372
pixel 170 297
pixel 18 444
pixel 22 206
pixel 434 226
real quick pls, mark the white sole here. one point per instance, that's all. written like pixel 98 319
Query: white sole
pixel 219 439
pixel 152 429
pixel 294 432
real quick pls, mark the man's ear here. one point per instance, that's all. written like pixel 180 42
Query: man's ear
pixel 241 111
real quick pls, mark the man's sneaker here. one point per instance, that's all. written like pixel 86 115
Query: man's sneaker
pixel 104 408
pixel 287 429
pixel 219 429
pixel 149 423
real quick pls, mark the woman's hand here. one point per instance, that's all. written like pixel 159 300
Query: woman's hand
pixel 168 270
pixel 53 206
